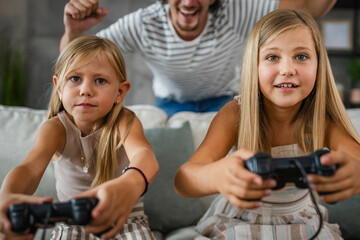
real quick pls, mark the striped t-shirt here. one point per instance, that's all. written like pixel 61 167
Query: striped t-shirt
pixel 182 70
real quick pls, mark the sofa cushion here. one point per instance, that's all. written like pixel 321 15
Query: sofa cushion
pixel 18 129
pixel 17 134
pixel 165 208
pixel 150 116
pixel 187 233
pixel 346 213
pixel 199 123
pixel 354 115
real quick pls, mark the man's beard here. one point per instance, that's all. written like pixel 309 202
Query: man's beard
pixel 187 29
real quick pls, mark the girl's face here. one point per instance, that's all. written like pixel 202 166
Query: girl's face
pixel 88 93
pixel 287 68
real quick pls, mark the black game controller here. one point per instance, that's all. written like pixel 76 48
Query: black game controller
pixel 285 170
pixel 75 212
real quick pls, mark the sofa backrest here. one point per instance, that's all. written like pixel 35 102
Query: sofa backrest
pixel 18 126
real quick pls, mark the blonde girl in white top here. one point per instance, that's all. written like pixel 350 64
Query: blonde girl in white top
pixel 289 106
pixel 89 88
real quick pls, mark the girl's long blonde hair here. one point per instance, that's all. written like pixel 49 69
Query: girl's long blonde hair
pixel 322 104
pixel 76 54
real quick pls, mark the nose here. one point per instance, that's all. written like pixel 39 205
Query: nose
pixel 287 68
pixel 86 89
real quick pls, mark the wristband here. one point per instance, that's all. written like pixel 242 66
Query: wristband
pixel 143 174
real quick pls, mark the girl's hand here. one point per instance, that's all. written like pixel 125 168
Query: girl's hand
pixel 8 199
pixel 114 206
pixel 344 184
pixel 241 187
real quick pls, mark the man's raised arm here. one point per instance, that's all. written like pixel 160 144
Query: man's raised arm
pixel 80 16
pixel 317 8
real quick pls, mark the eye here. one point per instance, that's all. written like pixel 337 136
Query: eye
pixel 272 58
pixel 301 57
pixel 100 81
pixel 75 79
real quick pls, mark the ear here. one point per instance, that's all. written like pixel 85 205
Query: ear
pixel 123 89
pixel 56 82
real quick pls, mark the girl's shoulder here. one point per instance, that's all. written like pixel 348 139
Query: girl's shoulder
pixel 52 132
pixel 127 113
pixel 127 116
pixel 127 120
pixel 233 106
pixel 229 113
pixel 54 125
pixel 336 136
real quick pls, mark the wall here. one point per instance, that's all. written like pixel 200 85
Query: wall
pixel 340 59
pixel 37 26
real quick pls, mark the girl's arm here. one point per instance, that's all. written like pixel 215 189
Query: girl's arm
pixel 211 171
pixel 141 155
pixel 25 178
pixel 117 197
pixel 197 177
pixel 344 152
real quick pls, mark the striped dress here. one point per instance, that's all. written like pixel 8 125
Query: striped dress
pixel 206 67
pixel 285 214
pixel 72 180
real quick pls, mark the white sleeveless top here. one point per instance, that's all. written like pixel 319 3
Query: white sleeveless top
pixel 68 169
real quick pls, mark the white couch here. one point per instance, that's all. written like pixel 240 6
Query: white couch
pixel 18 126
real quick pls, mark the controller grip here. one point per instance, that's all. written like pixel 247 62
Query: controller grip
pixel 328 170
pixel 260 164
pixel 81 210
pixel 76 211
pixel 19 217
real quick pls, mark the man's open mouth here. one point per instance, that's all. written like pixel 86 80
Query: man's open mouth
pixel 188 12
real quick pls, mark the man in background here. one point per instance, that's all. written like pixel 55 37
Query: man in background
pixel 193 47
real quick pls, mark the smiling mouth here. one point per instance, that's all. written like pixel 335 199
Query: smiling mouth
pixel 286 86
pixel 188 12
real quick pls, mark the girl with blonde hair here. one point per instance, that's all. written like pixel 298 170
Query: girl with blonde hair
pixel 97 146
pixel 288 106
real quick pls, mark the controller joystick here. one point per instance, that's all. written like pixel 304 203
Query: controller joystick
pixel 284 170
pixel 75 212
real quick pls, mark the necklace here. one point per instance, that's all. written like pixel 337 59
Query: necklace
pixel 83 159
pixel 86 166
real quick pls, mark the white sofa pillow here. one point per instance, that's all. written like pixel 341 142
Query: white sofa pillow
pixel 150 116
pixel 199 123
pixel 354 115
pixel 19 126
